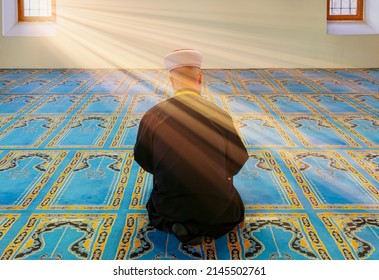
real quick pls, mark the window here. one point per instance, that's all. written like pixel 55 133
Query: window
pixel 13 26
pixel 369 23
pixel 345 9
pixel 36 10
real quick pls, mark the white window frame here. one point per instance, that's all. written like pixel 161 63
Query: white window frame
pixel 12 27
pixel 369 24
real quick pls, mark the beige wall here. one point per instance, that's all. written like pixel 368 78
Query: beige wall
pixel 230 33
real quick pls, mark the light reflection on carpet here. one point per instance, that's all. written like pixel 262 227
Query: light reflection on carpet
pixel 70 189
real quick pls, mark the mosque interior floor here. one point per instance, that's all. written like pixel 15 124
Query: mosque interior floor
pixel 70 189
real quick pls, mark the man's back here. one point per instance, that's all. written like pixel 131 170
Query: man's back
pixel 193 150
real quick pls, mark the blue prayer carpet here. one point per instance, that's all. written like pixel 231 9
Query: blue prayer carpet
pixel 70 189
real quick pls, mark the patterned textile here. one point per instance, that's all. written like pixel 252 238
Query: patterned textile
pixel 70 189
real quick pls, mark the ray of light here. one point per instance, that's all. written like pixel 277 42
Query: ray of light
pixel 119 35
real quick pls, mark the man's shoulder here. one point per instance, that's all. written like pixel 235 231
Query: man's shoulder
pixel 199 104
pixel 201 100
pixel 209 109
pixel 214 108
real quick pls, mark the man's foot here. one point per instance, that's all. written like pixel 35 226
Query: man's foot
pixel 195 241
pixel 185 236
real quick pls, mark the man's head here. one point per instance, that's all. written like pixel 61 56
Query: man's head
pixel 184 66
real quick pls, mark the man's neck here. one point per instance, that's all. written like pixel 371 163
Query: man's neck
pixel 187 91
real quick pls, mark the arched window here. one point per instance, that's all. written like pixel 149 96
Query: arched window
pixel 345 9
pixel 36 10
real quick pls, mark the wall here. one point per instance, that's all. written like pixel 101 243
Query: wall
pixel 231 34
pixel 372 14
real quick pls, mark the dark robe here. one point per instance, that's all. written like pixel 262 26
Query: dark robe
pixel 193 151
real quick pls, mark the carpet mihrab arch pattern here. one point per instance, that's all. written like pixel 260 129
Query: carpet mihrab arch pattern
pixel 70 189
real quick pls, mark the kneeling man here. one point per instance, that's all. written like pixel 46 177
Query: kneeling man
pixel 193 151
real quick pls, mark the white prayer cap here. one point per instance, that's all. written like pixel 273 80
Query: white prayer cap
pixel 183 57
